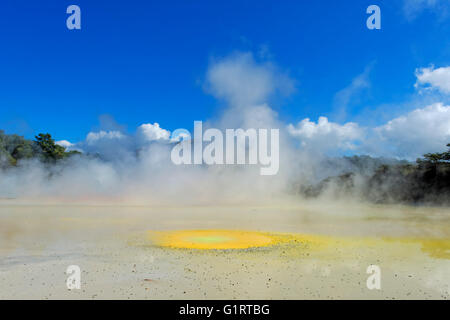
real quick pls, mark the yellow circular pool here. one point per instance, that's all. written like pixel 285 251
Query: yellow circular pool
pixel 212 239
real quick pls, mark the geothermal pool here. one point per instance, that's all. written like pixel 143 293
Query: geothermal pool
pixel 291 251
pixel 212 239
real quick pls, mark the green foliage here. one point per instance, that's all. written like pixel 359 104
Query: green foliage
pixel 14 148
pixel 50 150
pixel 435 158
pixel 5 158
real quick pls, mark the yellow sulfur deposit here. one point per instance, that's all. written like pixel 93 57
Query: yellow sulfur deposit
pixel 213 239
pixel 300 243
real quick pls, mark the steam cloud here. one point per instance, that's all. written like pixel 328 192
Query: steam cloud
pixel 137 167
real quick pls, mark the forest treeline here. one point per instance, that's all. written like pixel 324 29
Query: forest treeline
pixel 427 181
pixel 14 148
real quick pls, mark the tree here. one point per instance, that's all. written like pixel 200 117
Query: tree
pixel 435 158
pixel 50 150
pixel 23 151
pixel 14 147
pixel 5 158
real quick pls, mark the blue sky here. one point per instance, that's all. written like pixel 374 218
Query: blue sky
pixel 145 61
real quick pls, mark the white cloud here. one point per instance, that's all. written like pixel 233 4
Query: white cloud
pixel 94 137
pixel 242 82
pixel 68 145
pixel 418 132
pixel 64 143
pixel 409 136
pixel 436 78
pixel 112 145
pixel 118 146
pixel 413 8
pixel 150 132
pixel 325 135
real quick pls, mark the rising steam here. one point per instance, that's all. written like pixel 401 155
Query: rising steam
pixel 138 169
